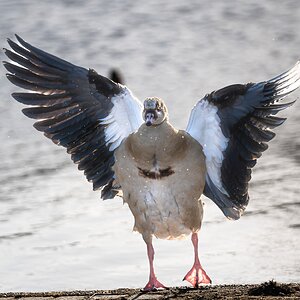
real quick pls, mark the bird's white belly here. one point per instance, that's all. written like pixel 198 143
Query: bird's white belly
pixel 162 212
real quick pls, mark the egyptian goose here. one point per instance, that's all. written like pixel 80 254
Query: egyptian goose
pixel 130 149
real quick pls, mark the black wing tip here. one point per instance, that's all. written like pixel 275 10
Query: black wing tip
pixel 10 41
pixel 26 112
pixel 274 108
pixel 20 40
pixel 233 213
pixel 16 96
pixel 289 103
pixel 5 63
pixel 13 44
pixel 10 76
pixel 8 66
pixel 232 207
pixel 282 120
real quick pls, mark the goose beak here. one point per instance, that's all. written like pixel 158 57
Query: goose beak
pixel 149 118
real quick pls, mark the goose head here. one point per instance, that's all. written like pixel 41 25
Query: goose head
pixel 155 111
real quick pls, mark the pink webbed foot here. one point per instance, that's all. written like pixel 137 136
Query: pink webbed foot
pixel 153 285
pixel 197 276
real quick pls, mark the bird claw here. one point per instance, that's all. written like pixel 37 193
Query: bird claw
pixel 153 285
pixel 197 276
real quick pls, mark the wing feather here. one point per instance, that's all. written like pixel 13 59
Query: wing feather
pixel 76 108
pixel 233 125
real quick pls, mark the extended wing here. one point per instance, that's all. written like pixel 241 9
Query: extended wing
pixel 233 125
pixel 76 108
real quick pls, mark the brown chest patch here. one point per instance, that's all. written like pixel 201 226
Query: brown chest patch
pixel 160 173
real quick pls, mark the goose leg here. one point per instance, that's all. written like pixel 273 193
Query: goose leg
pixel 196 275
pixel 153 283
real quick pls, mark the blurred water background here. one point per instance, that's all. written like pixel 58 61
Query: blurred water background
pixel 56 233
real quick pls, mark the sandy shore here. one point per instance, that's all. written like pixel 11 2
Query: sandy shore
pixel 267 290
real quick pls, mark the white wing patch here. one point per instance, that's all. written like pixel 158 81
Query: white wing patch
pixel 124 118
pixel 204 126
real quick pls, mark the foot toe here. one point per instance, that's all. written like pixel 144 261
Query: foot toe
pixel 153 285
pixel 196 277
